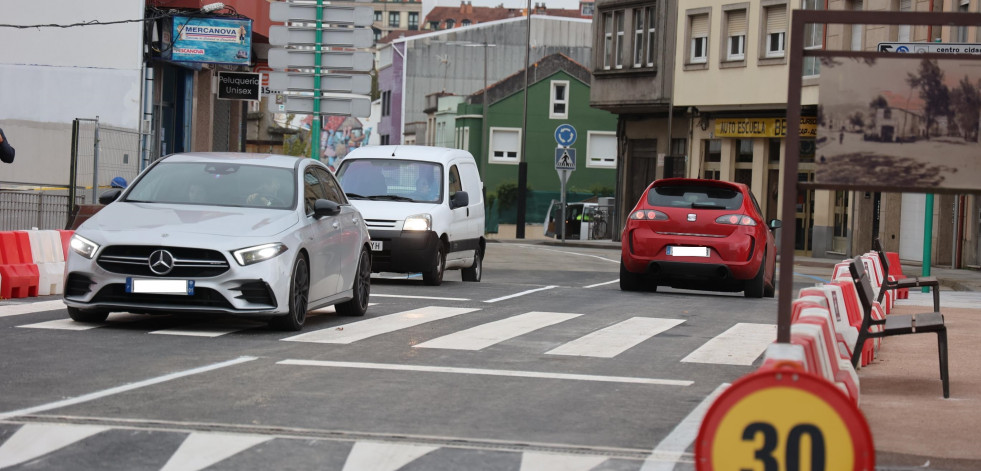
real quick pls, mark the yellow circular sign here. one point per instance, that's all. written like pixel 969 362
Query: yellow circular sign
pixel 784 420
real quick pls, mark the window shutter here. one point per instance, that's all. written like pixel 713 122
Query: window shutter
pixel 776 19
pixel 699 26
pixel 737 23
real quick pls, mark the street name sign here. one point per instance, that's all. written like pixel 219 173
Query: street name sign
pixel 359 61
pixel 338 105
pixel 931 48
pixel 338 15
pixel 238 85
pixel 334 37
pixel 333 83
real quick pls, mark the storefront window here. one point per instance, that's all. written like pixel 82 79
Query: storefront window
pixel 744 150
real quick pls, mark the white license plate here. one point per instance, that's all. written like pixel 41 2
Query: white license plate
pixel 376 245
pixel 688 251
pixel 140 285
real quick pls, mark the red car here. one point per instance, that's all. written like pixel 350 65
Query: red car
pixel 698 234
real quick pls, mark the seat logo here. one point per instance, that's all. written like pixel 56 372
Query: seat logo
pixel 691 217
pixel 161 262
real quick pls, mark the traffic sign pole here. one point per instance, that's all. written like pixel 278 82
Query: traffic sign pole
pixel 315 130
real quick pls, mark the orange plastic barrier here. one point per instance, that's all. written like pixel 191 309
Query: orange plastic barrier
pixel 19 276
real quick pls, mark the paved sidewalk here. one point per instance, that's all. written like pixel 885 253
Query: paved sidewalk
pixel 913 426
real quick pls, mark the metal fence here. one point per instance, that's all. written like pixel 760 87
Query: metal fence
pixel 23 210
pixel 102 152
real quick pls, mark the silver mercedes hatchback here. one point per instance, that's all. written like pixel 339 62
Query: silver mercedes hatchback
pixel 258 235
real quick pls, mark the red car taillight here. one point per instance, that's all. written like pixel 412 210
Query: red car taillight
pixel 648 215
pixel 736 220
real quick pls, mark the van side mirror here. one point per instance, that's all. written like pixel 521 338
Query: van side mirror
pixel 774 224
pixel 459 200
pixel 323 207
pixel 109 196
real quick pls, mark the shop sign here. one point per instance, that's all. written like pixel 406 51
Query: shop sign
pixel 211 40
pixel 762 127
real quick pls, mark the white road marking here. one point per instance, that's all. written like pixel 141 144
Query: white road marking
pixel 30 308
pixel 200 450
pixel 742 344
pixel 361 330
pixel 378 456
pixel 34 440
pixel 211 329
pixel 485 335
pixel 617 338
pixel 569 253
pixel 672 448
pixel 535 461
pixel 477 371
pixel 68 324
pixel 124 388
pixel 515 295
pixel 374 295
pixel 602 284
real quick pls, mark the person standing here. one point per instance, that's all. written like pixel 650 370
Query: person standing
pixel 6 150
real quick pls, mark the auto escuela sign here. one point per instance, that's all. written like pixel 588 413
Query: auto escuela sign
pixel 762 127
pixel 211 40
pixel 238 85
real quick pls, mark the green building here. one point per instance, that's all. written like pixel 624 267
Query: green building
pixel 558 93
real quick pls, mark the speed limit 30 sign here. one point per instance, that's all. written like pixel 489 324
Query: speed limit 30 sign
pixel 784 419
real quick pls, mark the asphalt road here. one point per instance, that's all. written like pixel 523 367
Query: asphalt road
pixel 545 364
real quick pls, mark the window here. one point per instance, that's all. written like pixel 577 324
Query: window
pixel 813 38
pixel 456 184
pixel 601 149
pixel 463 137
pixel 558 107
pixel 383 139
pixel 856 30
pixel 313 190
pixel 450 23
pixel 434 25
pixel 961 31
pixel 607 40
pixel 736 35
pixel 651 14
pixel 744 150
pixel 386 102
pixel 587 8
pixel 618 48
pixel 378 16
pixel 505 145
pixel 393 19
pixel 465 23
pixel 639 30
pixel 377 33
pixel 413 20
pixel 699 31
pixel 775 35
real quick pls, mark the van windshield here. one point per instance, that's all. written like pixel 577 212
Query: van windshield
pixel 388 179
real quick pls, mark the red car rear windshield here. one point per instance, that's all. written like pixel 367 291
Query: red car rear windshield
pixel 695 197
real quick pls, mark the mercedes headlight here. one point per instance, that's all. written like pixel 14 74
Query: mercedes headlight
pixel 250 255
pixel 83 246
pixel 419 222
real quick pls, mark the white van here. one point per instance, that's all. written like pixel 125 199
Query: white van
pixel 424 208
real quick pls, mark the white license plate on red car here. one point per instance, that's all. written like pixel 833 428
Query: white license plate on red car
pixel 676 251
pixel 376 245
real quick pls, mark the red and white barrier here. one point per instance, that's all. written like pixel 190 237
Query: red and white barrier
pixel 19 276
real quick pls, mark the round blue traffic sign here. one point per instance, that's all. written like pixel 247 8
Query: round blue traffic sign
pixel 565 135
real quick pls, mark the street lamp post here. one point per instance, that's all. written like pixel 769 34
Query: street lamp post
pixel 519 231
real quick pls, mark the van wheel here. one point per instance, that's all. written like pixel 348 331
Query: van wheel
pixel 473 272
pixel 87 315
pixel 434 277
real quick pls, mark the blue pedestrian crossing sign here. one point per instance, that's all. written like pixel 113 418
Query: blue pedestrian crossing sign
pixel 565 158
pixel 565 135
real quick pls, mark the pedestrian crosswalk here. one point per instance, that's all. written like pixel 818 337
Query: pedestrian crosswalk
pixel 41 443
pixel 739 344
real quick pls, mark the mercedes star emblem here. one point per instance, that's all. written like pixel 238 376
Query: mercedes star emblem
pixel 161 262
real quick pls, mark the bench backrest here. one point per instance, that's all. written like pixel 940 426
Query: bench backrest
pixel 864 288
pixel 884 262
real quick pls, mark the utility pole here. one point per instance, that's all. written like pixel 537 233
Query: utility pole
pixel 523 161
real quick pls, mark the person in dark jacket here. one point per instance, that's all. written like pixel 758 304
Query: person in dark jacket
pixel 6 150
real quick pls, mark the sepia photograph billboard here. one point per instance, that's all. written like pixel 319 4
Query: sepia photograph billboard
pixel 899 122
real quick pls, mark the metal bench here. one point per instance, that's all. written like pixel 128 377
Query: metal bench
pixel 896 324
pixel 909 282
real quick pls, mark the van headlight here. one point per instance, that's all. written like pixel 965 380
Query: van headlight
pixel 250 255
pixel 419 222
pixel 83 246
